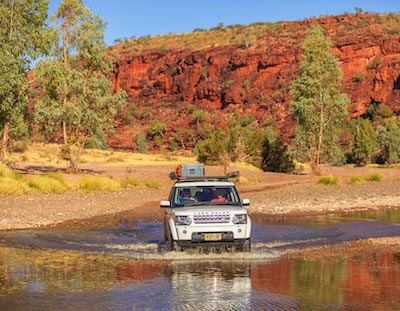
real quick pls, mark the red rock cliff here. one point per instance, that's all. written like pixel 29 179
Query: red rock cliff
pixel 255 80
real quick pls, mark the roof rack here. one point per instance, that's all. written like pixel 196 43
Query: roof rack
pixel 173 176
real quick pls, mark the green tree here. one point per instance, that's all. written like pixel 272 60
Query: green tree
pixel 156 128
pixel 75 83
pixel 140 143
pixel 364 141
pixel 241 142
pixel 97 140
pixel 318 105
pixel 23 37
pixel 214 150
pixel 276 157
pixel 388 136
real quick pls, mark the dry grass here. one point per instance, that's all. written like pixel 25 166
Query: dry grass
pixel 49 154
pixel 328 180
pixel 16 184
pixel 89 184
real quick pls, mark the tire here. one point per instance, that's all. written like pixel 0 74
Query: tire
pixel 246 246
pixel 164 246
pixel 175 246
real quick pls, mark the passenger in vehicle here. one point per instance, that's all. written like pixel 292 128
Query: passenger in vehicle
pixel 220 196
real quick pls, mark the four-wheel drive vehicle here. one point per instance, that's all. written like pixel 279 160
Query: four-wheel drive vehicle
pixel 204 211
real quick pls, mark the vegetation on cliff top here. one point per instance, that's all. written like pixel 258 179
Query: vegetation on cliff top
pixel 248 35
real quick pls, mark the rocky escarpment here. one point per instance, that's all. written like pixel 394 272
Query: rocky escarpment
pixel 168 85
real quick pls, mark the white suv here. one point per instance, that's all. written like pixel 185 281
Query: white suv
pixel 204 211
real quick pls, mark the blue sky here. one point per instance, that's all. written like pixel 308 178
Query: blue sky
pixel 127 18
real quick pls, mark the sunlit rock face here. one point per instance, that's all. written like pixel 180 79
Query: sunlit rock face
pixel 255 79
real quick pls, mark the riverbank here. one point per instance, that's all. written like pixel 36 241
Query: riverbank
pixel 270 193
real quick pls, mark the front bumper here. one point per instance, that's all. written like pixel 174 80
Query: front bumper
pixel 221 234
pixel 198 240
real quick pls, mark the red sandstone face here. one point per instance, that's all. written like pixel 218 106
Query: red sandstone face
pixel 255 80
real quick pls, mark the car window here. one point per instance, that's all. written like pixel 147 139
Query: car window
pixel 185 196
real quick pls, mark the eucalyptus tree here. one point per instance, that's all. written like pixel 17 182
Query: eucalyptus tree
pixel 77 97
pixel 389 141
pixel 364 141
pixel 318 105
pixel 23 31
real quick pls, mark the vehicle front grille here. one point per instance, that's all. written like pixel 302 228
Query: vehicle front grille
pixel 211 219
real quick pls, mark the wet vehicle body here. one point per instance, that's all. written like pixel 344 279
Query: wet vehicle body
pixel 205 211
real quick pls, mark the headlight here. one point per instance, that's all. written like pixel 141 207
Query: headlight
pixel 239 219
pixel 183 220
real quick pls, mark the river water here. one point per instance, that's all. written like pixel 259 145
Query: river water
pixel 120 268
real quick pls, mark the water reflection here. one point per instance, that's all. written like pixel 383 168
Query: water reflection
pixel 35 280
pixel 209 286
pixel 125 271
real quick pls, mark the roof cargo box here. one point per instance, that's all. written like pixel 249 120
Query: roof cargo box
pixel 190 170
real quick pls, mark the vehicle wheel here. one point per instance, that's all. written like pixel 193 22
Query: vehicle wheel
pixel 164 246
pixel 246 247
pixel 175 247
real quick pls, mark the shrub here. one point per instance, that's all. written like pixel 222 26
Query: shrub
pixel 374 64
pixel 97 140
pixel 242 179
pixel 58 177
pixel 153 184
pixel 88 184
pixel 375 177
pixel 328 180
pixel 359 76
pixel 47 184
pixel 276 157
pixel 6 172
pixel 354 180
pixel 19 146
pixel 10 186
pixel 156 128
pixel 141 144
pixel 129 182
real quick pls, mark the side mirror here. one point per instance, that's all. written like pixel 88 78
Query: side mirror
pixel 246 202
pixel 165 203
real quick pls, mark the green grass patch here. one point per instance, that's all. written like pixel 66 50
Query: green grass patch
pixel 12 186
pixel 6 172
pixel 130 182
pixel 58 177
pixel 90 184
pixel 328 180
pixel 153 184
pixel 375 177
pixel 242 179
pixel 355 180
pixel 51 183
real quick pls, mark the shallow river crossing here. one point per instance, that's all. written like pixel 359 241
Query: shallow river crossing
pixel 121 269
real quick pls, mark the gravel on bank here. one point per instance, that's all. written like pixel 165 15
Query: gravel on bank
pixel 270 193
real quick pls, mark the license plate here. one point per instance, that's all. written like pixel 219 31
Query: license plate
pixel 212 237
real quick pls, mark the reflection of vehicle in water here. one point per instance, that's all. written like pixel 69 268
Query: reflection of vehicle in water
pixel 205 211
pixel 215 285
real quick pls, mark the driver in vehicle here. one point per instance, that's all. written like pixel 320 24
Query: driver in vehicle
pixel 186 196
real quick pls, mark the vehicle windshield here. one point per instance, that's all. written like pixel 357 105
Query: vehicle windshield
pixel 202 195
